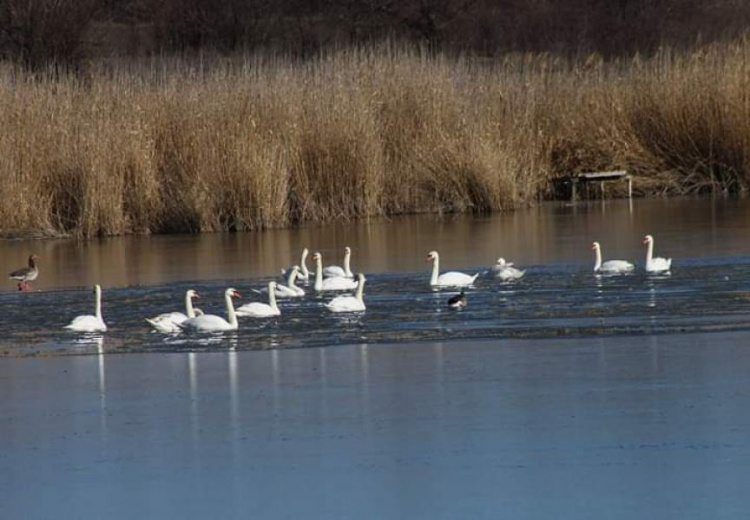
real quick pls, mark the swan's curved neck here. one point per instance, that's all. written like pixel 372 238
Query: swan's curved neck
pixel 435 269
pixel 272 295
pixel 649 251
pixel 98 308
pixel 318 273
pixel 292 279
pixel 347 264
pixel 189 305
pixel 598 254
pixel 303 264
pixel 360 290
pixel 232 317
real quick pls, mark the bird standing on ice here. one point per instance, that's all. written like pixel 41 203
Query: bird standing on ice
pixel 26 274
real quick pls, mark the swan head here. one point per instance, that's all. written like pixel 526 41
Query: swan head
pixel 98 289
pixel 317 256
pixel 305 252
pixel 361 277
pixel 348 250
pixel 595 246
pixel 431 256
pixel 192 293
pixel 271 286
pixel 648 239
pixel 501 261
pixel 234 293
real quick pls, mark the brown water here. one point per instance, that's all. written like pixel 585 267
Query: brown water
pixel 547 234
pixel 709 288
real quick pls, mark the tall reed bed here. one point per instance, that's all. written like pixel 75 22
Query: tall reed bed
pixel 189 145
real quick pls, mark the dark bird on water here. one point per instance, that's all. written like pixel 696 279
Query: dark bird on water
pixel 26 274
pixel 458 301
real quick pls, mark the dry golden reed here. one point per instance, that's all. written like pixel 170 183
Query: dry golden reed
pixel 186 145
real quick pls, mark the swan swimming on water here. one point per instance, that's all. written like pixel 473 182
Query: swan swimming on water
pixel 213 323
pixel 610 266
pixel 450 278
pixel 658 264
pixel 505 270
pixel 261 310
pixel 333 271
pixel 303 273
pixel 88 322
pixel 291 290
pixel 354 303
pixel 168 322
pixel 336 283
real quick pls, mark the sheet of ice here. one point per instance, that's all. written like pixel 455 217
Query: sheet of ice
pixel 594 428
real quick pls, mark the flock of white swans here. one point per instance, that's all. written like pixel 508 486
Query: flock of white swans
pixel 329 278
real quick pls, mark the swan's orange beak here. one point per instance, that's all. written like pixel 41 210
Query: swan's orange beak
pixel 593 246
pixel 428 258
pixel 645 240
pixel 236 294
pixel 196 295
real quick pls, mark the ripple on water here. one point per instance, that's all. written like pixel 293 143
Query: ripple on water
pixel 550 301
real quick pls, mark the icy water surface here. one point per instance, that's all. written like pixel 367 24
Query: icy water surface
pixel 707 290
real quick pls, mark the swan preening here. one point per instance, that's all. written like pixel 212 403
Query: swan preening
pixel 655 265
pixel 169 322
pixel 213 323
pixel 334 271
pixel 336 283
pixel 449 279
pixel 505 270
pixel 261 310
pixel 303 273
pixel 354 303
pixel 610 266
pixel 88 322
pixel 26 274
pixel 290 290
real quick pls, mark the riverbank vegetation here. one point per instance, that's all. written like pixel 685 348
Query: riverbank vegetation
pixel 188 145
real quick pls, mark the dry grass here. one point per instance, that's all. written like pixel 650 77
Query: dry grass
pixel 186 146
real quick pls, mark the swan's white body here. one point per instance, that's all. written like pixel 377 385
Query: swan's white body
pixel 451 278
pixel 505 270
pixel 87 322
pixel 168 322
pixel 291 290
pixel 610 266
pixel 261 310
pixel 354 303
pixel 655 265
pixel 335 271
pixel 303 273
pixel 330 284
pixel 213 323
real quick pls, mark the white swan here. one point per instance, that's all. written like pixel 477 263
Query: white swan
pixel 168 322
pixel 213 323
pixel 330 284
pixel 505 270
pixel 291 290
pixel 348 303
pixel 655 265
pixel 610 266
pixel 303 273
pixel 333 271
pixel 87 322
pixel 261 310
pixel 451 278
